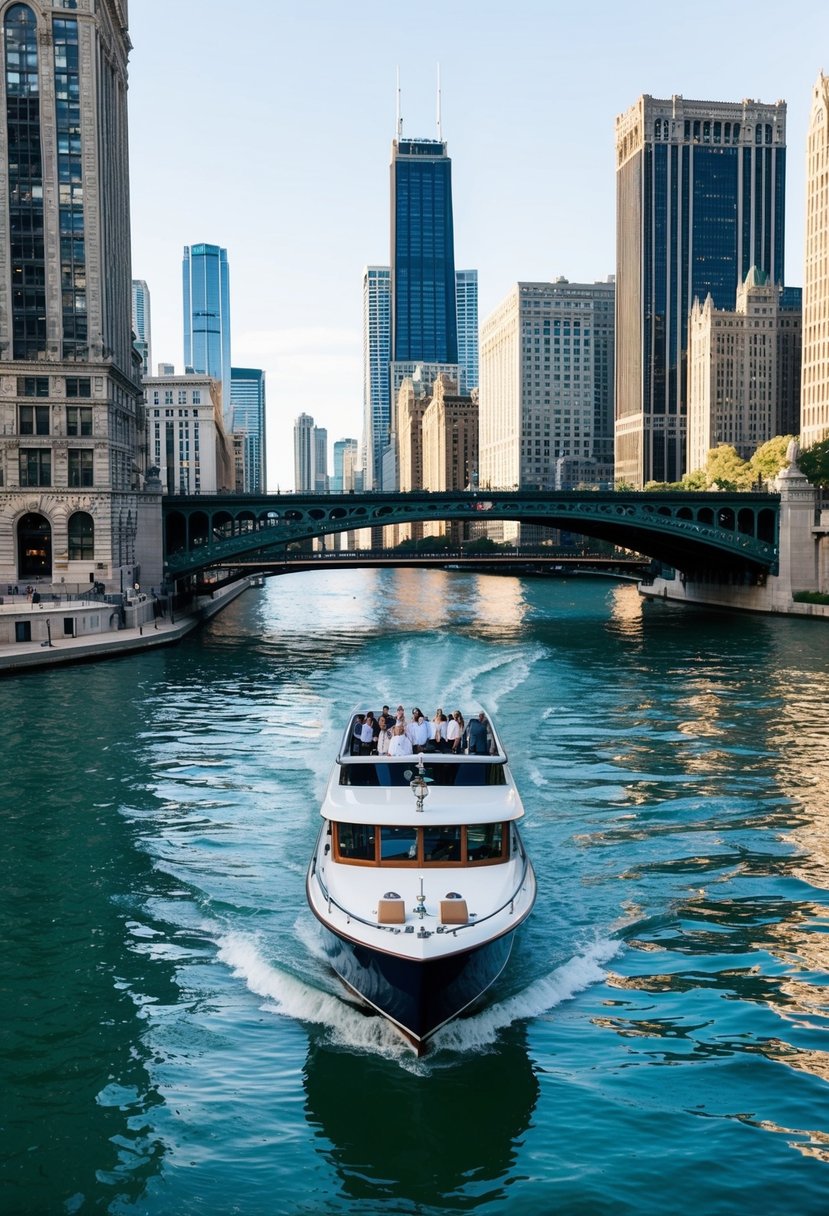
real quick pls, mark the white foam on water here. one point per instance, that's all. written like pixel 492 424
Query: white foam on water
pixel 481 1029
pixel 348 1024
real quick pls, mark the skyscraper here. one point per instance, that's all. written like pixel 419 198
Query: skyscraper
pixel 700 200
pixel 71 453
pixel 424 326
pixel 247 400
pixel 206 300
pixel 466 291
pixel 815 381
pixel 376 359
pixel 141 324
pixel 304 455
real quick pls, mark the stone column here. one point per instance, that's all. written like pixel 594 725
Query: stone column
pixel 798 543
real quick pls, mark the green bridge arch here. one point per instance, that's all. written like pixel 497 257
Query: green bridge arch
pixel 694 531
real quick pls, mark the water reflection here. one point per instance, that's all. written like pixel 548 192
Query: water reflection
pixel 437 1133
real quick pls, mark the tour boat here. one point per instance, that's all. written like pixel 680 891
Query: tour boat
pixel 420 879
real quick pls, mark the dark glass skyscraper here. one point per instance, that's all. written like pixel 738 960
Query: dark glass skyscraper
pixel 700 200
pixel 424 325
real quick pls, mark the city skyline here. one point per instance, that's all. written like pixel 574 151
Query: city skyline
pixel 533 158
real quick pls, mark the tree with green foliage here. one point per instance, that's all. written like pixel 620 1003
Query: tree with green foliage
pixel 771 457
pixel 726 470
pixel 814 463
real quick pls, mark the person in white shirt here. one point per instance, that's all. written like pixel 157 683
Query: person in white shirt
pixel 454 731
pixel 400 744
pixel 418 731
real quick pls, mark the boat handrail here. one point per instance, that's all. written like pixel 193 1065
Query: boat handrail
pixel 479 920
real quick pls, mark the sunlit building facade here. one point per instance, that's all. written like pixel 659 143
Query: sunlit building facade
pixel 743 371
pixel 376 360
pixel 72 438
pixel 815 376
pixel 700 192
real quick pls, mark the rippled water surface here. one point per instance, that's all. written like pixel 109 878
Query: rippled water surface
pixel 172 1040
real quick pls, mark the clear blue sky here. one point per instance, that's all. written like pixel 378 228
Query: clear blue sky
pixel 266 126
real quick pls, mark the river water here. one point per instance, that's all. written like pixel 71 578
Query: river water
pixel 173 1042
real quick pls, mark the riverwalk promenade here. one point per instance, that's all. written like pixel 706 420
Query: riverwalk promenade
pixel 27 656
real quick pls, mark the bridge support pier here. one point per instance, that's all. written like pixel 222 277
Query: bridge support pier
pixel 803 563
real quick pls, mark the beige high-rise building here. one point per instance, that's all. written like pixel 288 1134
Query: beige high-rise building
pixel 450 446
pixel 815 375
pixel 547 386
pixel 413 397
pixel 743 387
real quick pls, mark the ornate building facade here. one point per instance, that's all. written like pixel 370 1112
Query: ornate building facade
pixel 71 419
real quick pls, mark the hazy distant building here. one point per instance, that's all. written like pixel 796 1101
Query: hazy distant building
pixel 466 292
pixel 347 473
pixel 72 441
pixel 206 300
pixel 248 415
pixel 700 189
pixel 188 442
pixel 141 323
pixel 320 460
pixel 546 395
pixel 304 454
pixel 815 383
pixel 742 386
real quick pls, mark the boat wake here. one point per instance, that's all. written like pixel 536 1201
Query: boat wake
pixel 351 1025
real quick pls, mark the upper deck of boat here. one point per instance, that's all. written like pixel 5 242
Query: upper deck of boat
pixel 461 785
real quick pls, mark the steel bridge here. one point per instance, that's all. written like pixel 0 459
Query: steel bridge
pixel 717 533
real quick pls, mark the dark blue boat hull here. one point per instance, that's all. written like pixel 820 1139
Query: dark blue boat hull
pixel 418 996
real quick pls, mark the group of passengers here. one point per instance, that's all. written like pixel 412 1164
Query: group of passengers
pixel 392 734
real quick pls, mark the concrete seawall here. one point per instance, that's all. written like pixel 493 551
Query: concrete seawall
pixel 149 635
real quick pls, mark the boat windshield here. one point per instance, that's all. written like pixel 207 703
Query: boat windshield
pixel 385 844
pixel 464 773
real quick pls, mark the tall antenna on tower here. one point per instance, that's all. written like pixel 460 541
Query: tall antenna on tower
pixel 440 138
pixel 399 124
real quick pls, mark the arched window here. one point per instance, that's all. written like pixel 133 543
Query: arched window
pixel 34 546
pixel 81 530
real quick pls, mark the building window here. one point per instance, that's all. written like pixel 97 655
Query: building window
pixel 78 420
pixel 33 419
pixel 35 467
pixel 33 386
pixel 81 530
pixel 80 468
pixel 78 386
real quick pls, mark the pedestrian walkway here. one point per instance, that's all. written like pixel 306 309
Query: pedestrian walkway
pixel 26 656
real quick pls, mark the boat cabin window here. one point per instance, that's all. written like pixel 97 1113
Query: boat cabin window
pixel 398 844
pixel 381 773
pixel 484 841
pixel 473 844
pixel 355 841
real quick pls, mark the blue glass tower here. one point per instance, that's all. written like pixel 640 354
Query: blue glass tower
pixel 206 297
pixel 424 325
pixel 247 398
pixel 700 200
